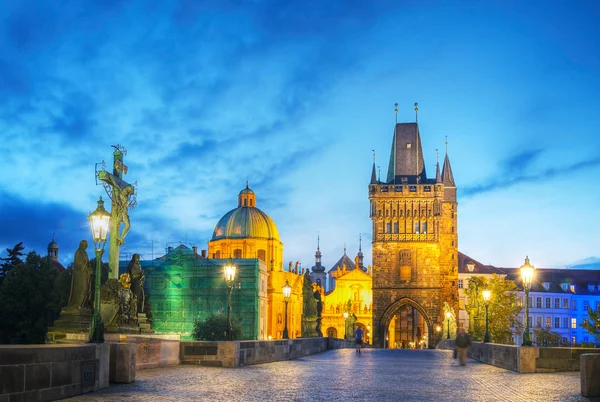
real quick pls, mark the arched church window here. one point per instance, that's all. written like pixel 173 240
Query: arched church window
pixel 388 227
pixel 262 255
pixel 218 254
pixel 245 202
pixel 395 227
pixel 423 227
pixel 237 253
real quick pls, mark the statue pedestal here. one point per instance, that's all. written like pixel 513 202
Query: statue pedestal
pixel 309 327
pixel 145 327
pixel 75 321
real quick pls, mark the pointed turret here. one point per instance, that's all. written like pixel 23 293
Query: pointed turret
pixel 447 176
pixel 438 175
pixel 373 175
pixel 318 274
pixel 360 256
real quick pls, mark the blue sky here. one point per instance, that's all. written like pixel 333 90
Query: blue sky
pixel 293 96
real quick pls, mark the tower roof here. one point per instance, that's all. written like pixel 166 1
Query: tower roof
pixel 406 157
pixel 345 260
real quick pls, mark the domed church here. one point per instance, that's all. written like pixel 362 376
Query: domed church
pixel 247 232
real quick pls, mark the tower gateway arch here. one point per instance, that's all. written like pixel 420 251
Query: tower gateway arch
pixel 415 245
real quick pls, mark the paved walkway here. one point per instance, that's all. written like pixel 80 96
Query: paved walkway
pixel 341 375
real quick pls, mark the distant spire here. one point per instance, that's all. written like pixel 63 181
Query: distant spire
pixel 344 248
pixel 359 242
pixel 438 175
pixel 246 183
pixel 373 175
pixel 447 176
pixel 396 112
pixel 379 173
pixel 318 241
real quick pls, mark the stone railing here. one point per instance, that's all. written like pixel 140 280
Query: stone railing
pixel 51 372
pixel 245 353
pixel 524 359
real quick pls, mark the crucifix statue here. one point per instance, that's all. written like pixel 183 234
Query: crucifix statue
pixel 123 198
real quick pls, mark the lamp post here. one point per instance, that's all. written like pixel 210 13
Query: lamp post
pixel 448 315
pixel 229 271
pixel 99 220
pixel 527 271
pixel 346 324
pixel 287 291
pixel 487 295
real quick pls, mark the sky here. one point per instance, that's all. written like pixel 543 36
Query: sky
pixel 293 97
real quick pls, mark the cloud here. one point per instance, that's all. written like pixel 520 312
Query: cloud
pixel 514 173
pixel 586 263
pixel 34 223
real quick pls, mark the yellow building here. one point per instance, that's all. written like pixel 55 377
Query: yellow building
pixel 246 232
pixel 352 293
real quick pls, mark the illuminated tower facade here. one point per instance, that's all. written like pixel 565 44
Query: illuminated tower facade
pixel 415 244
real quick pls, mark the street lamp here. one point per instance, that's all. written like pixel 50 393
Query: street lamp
pixel 487 295
pixel 287 291
pixel 448 315
pixel 346 324
pixel 527 271
pixel 229 271
pixel 99 220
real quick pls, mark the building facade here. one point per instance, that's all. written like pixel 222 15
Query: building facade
pixel 415 239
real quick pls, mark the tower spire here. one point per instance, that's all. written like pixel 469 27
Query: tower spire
pixel 438 175
pixel 359 242
pixel 373 175
pixel 416 113
pixel 447 176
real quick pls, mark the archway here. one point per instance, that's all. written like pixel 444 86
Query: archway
pixel 331 332
pixel 411 325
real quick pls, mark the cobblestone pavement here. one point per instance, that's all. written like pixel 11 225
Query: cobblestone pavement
pixel 341 375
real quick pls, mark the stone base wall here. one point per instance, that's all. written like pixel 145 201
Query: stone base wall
pixel 524 359
pixel 51 372
pixel 246 353
pixel 336 343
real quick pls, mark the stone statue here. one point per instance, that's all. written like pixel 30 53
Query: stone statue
pixel 137 281
pixel 290 267
pixel 122 195
pixel 317 296
pixel 81 282
pixel 356 265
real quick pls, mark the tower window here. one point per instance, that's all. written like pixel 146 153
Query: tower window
pixel 245 202
pixel 237 253
pixel 424 227
pixel 416 227
pixel 408 146
pixel 388 227
pixel 395 227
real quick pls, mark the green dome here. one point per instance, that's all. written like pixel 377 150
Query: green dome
pixel 245 222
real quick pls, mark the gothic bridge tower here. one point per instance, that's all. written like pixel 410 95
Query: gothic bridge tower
pixel 415 244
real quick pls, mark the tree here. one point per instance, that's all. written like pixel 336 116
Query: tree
pixel 547 337
pixel 31 297
pixel 213 328
pixel 13 259
pixel 592 323
pixel 502 309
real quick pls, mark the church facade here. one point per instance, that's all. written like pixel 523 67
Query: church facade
pixel 415 243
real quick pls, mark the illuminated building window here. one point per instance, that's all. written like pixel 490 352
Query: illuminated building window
pixel 573 322
pixel 405 274
pixel 548 322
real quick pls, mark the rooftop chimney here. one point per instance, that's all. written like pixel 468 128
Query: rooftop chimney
pixel 195 248
pixel 203 253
